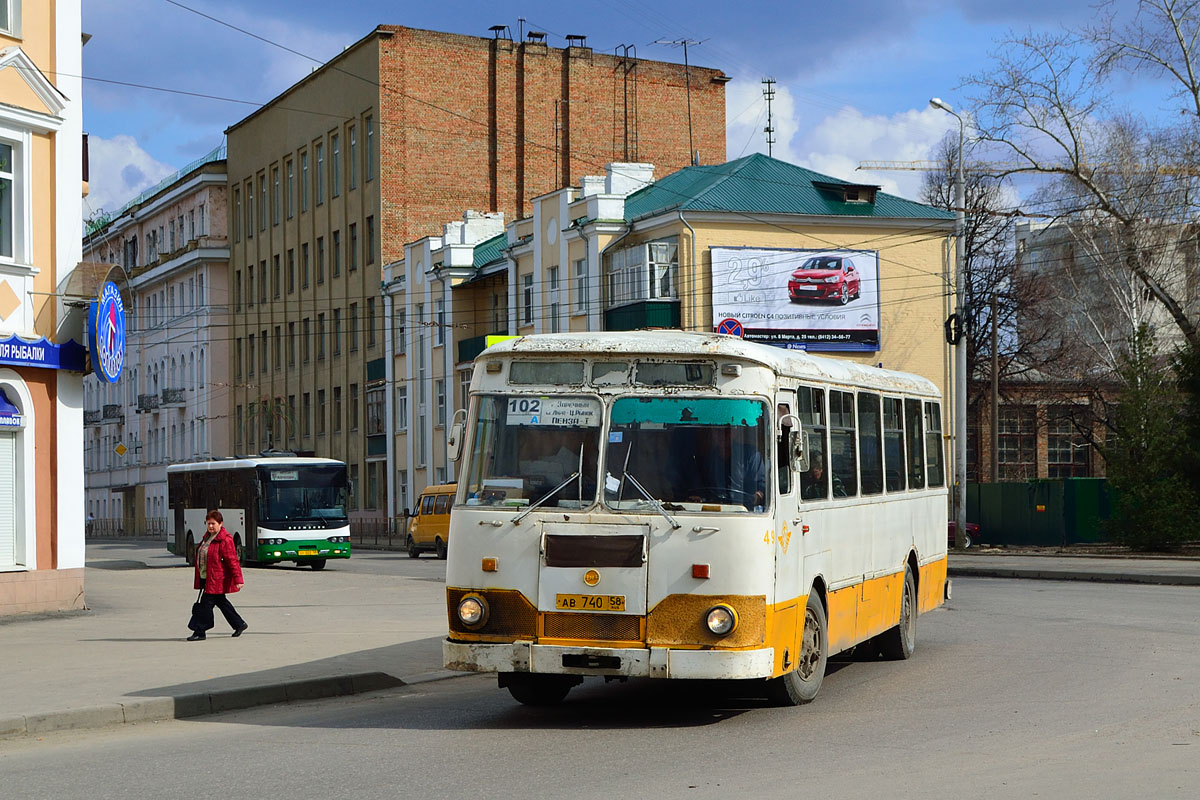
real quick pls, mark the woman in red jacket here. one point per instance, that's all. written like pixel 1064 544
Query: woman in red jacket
pixel 218 573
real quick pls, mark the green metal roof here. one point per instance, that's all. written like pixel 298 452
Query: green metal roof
pixel 490 250
pixel 759 184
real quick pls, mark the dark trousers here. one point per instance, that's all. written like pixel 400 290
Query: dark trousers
pixel 202 617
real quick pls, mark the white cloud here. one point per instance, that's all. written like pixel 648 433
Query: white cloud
pixel 119 169
pixel 746 116
pixel 841 141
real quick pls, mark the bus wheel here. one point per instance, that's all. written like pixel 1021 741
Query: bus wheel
pixel 801 685
pixel 189 551
pixel 538 690
pixel 411 547
pixel 899 643
pixel 439 547
pixel 317 564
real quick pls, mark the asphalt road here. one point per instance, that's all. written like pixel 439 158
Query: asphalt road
pixel 1017 689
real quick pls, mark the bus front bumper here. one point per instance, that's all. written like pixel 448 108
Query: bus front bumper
pixel 652 662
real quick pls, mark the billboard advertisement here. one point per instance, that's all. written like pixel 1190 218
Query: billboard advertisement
pixel 801 299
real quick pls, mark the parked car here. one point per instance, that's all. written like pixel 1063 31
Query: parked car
pixel 825 278
pixel 972 534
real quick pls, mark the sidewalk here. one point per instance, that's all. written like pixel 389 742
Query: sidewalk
pixel 311 635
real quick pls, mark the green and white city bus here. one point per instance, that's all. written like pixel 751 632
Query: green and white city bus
pixel 276 507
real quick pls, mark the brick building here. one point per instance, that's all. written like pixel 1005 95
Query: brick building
pixel 379 147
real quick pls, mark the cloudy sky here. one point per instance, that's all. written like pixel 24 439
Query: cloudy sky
pixel 853 78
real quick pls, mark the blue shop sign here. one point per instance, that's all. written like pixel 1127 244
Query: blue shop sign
pixel 10 415
pixel 19 352
pixel 106 333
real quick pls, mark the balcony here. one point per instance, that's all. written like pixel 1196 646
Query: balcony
pixel 92 417
pixel 173 398
pixel 645 314
pixel 147 402
pixel 113 413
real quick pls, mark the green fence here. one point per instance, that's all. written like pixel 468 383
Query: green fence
pixel 1040 512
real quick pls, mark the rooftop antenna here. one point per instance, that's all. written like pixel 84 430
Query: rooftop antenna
pixel 688 79
pixel 769 93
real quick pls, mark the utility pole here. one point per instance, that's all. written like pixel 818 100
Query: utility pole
pixel 687 75
pixel 961 338
pixel 769 93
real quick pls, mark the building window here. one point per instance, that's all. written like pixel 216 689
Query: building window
pixel 553 275
pixel 320 412
pixel 306 339
pixel 291 190
pixel 439 391
pixel 237 215
pixel 320 336
pixel 278 346
pixel 354 406
pixel 644 272
pixel 304 265
pixel 237 358
pixel 1067 451
pixel 237 427
pixel 337 409
pixel 372 484
pixel 353 327
pixel 352 256
pixel 250 209
pixel 262 351
pixel 291 271
pixel 352 133
pixel 237 290
pixel 335 165
pixel 304 181
pixel 320 176
pixel 527 299
pixel 337 331
pixel 250 286
pixel 354 481
pixel 370 240
pixel 370 322
pixel 320 260
pixel 370 148
pixel 337 253
pixel 275 196
pixel 291 346
pixel 291 417
pixel 375 417
pixel 250 355
pixel 401 339
pixel 262 202
pixel 1017 443
pixel 276 283
pixel 262 281
pixel 306 415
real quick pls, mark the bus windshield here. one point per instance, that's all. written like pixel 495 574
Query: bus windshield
pixel 690 453
pixel 303 492
pixel 533 449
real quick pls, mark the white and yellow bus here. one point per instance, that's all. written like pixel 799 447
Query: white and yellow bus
pixel 688 505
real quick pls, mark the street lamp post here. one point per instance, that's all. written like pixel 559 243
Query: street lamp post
pixel 960 346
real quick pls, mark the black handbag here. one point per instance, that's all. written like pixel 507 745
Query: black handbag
pixel 202 615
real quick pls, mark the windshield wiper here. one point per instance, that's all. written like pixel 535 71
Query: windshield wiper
pixel 657 505
pixel 545 497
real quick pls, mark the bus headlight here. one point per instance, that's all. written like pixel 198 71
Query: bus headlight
pixel 473 611
pixel 721 619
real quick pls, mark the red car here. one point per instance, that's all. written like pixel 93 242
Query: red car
pixel 972 534
pixel 825 278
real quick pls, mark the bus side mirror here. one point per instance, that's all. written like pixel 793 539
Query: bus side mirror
pixel 454 440
pixel 798 450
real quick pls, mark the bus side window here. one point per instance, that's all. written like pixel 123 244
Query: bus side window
pixel 442 505
pixel 427 504
pixel 870 450
pixel 783 461
pixel 893 445
pixel 933 445
pixel 843 452
pixel 814 484
pixel 913 438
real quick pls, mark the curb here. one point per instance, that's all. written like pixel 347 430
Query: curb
pixel 1073 575
pixel 153 709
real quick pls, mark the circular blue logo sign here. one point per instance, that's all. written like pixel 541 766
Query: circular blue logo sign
pixel 730 326
pixel 108 333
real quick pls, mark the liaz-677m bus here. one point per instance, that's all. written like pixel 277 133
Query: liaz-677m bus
pixel 276 507
pixel 689 505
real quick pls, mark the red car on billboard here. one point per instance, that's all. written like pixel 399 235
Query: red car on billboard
pixel 825 277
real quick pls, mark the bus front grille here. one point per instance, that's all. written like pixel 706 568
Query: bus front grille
pixel 597 627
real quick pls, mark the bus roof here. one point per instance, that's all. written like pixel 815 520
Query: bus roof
pixel 672 343
pixel 246 462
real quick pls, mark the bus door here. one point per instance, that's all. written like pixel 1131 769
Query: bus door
pixel 789 529
pixel 588 570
